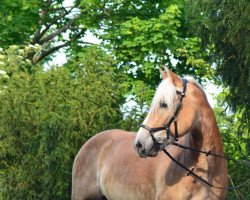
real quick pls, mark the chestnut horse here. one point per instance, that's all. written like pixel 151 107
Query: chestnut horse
pixel 108 167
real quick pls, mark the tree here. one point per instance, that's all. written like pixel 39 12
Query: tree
pixel 46 116
pixel 224 29
pixel 235 137
pixel 144 36
pixel 50 23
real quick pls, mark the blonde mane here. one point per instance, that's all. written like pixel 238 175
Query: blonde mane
pixel 166 92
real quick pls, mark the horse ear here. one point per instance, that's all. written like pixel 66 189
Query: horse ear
pixel 174 78
pixel 164 74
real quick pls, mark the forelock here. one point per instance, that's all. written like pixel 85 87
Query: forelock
pixel 165 92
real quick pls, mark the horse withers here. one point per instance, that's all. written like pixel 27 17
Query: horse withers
pixel 119 165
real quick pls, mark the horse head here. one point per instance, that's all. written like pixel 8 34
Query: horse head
pixel 174 112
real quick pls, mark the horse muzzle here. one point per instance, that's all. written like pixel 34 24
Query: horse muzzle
pixel 157 146
pixel 153 151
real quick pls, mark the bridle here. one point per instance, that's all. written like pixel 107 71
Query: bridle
pixel 173 138
pixel 169 136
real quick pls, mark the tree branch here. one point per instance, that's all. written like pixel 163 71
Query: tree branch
pixel 42 54
pixel 38 57
pixel 61 30
pixel 62 8
pixel 42 14
pixel 39 34
pixel 49 25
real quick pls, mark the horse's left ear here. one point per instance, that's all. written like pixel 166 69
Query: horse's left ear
pixel 164 74
pixel 176 80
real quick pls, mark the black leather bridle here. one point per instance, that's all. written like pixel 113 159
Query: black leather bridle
pixel 160 145
pixel 171 120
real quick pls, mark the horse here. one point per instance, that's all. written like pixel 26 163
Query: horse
pixel 120 165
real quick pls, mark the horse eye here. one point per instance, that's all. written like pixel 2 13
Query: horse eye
pixel 163 105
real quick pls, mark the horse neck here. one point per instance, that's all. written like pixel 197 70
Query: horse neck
pixel 210 135
pixel 204 136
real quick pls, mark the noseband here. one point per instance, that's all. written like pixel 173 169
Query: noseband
pixel 172 119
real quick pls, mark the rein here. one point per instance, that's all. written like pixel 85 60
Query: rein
pixel 161 146
pixel 191 172
pixel 207 153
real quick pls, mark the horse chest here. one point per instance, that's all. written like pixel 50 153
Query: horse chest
pixel 120 186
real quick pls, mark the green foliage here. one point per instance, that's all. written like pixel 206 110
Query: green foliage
pixel 155 41
pixel 144 36
pixel 224 25
pixel 45 118
pixel 236 145
pixel 18 20
pixel 224 28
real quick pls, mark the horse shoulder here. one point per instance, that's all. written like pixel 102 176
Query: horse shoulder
pixel 96 144
pixel 86 167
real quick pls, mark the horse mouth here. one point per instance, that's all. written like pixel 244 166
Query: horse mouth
pixel 152 153
pixel 157 148
pixel 142 155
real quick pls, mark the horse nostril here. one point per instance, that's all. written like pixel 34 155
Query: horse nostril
pixel 138 145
